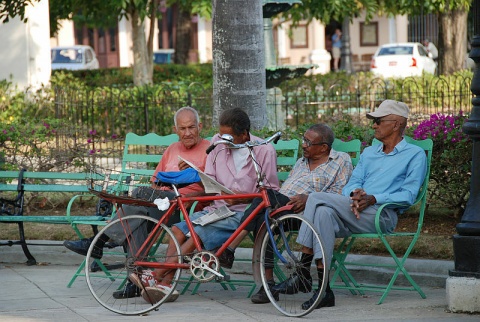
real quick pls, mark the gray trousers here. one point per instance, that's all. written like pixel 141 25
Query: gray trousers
pixel 139 229
pixel 331 214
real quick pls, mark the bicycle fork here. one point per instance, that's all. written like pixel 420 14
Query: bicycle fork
pixel 279 226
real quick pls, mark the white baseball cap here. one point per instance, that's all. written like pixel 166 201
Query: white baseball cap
pixel 388 107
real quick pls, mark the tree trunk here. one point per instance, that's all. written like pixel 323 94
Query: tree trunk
pixel 182 38
pixel 142 70
pixel 452 41
pixel 151 34
pixel 239 59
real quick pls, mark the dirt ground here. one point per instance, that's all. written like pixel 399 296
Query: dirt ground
pixel 433 224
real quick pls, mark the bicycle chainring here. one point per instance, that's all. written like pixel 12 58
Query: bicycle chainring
pixel 204 266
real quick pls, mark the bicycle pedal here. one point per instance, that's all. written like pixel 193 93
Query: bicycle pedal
pixel 224 278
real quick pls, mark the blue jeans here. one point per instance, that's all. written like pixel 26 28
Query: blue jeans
pixel 213 235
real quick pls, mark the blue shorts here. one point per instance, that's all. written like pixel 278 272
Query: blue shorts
pixel 213 235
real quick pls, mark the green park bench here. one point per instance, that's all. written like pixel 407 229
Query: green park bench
pixel 20 182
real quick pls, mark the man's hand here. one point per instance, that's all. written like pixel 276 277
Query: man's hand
pixel 360 201
pixel 298 202
pixel 182 165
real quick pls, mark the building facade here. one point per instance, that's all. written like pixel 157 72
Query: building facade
pixel 304 44
pixel 25 51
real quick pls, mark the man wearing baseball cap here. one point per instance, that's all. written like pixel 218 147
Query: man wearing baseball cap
pixel 392 171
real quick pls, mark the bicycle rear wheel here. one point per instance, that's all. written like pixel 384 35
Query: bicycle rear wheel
pixel 117 262
pixel 290 246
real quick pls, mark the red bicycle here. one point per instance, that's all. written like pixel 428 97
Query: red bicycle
pixel 277 245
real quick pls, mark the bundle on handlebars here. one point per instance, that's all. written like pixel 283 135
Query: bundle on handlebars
pixel 227 139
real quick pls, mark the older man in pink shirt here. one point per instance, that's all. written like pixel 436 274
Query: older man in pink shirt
pixel 191 147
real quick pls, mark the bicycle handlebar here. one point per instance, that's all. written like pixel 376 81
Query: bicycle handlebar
pixel 249 144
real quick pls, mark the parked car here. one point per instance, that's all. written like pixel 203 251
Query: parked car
pixel 74 57
pixel 402 60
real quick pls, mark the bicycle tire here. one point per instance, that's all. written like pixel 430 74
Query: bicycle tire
pixel 291 304
pixel 103 283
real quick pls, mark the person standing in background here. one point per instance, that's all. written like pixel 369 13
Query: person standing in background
pixel 431 49
pixel 336 46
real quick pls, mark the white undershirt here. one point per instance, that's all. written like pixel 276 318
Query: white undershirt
pixel 239 158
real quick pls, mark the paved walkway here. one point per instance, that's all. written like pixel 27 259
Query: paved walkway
pixel 39 293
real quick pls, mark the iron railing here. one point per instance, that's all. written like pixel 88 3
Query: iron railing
pixel 97 119
pixel 121 110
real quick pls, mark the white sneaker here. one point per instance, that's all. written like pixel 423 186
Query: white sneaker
pixel 145 279
pixel 153 294
pixel 152 290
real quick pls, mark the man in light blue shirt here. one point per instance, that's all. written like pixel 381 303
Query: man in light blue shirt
pixel 389 172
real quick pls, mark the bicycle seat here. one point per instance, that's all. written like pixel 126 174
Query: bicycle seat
pixel 178 178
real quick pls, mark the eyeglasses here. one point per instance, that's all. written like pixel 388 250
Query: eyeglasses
pixel 379 120
pixel 309 143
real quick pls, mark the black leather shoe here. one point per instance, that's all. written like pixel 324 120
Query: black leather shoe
pixel 294 284
pixel 130 290
pixel 327 301
pixel 81 247
pixel 261 296
pixel 226 258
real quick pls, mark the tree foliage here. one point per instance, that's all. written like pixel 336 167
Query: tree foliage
pixel 14 8
pixel 326 10
pixel 105 13
pixel 452 20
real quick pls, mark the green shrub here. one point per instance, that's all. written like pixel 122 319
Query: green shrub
pixel 122 76
pixel 35 145
pixel 451 160
pixel 347 129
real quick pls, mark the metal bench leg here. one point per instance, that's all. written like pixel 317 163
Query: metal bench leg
pixel 30 259
pixel 77 273
pixel 338 263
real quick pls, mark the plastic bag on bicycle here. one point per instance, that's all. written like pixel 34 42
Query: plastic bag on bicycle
pixel 183 177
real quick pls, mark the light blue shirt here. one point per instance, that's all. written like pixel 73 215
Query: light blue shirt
pixel 393 177
pixel 336 42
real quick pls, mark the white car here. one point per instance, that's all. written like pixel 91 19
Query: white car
pixel 74 57
pixel 402 60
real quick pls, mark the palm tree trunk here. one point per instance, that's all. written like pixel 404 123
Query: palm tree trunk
pixel 239 59
pixel 142 74
pixel 452 41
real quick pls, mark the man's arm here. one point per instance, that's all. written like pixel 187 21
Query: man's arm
pixel 268 163
pixel 357 179
pixel 298 202
pixel 161 166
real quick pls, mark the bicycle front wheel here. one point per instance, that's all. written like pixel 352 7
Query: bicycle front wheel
pixel 107 278
pixel 302 296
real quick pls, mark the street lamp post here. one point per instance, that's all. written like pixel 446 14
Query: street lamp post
pixel 346 63
pixel 463 283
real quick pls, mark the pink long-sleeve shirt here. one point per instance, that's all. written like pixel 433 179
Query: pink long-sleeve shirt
pixel 221 167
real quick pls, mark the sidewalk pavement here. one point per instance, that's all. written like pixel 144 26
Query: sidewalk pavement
pixel 39 293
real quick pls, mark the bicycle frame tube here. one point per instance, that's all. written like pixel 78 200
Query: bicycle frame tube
pixel 265 204
pixel 179 203
pixel 155 231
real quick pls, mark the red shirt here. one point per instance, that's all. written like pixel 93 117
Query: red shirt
pixel 196 155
